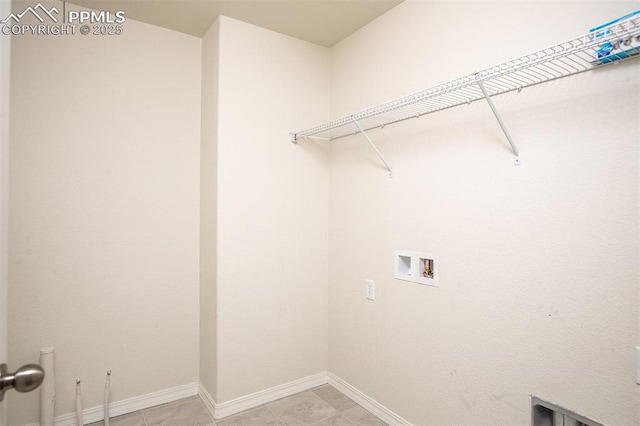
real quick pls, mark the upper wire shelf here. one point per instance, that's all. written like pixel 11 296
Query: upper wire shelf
pixel 620 39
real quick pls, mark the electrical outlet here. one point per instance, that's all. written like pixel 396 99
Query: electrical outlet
pixel 371 290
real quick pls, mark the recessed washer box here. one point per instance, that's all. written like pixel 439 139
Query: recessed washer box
pixel 417 267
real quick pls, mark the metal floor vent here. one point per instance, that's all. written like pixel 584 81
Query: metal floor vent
pixel 545 413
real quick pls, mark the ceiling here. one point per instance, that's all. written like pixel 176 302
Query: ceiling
pixel 323 22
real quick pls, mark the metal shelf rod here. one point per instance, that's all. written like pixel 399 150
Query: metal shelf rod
pixel 374 147
pixel 500 122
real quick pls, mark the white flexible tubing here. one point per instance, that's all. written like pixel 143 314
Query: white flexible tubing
pixel 78 403
pixel 106 399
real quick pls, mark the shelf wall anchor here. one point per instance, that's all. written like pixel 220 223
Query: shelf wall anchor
pixel 374 147
pixel 502 126
pixel 295 138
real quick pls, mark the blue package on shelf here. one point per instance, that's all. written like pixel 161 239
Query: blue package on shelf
pixel 613 48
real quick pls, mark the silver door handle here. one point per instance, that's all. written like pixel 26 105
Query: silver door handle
pixel 27 378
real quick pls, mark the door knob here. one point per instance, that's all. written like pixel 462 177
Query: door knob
pixel 27 378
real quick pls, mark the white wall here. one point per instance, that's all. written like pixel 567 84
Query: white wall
pixel 208 210
pixel 104 193
pixel 539 273
pixel 272 205
pixel 5 57
pixel 539 263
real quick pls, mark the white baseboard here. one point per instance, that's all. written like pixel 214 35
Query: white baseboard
pixel 369 404
pixel 206 399
pixel 228 408
pixel 237 405
pixel 130 405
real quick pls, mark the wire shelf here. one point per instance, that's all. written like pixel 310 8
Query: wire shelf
pixel 572 57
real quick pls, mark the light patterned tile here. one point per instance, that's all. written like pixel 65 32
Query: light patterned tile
pixel 362 417
pixel 334 397
pixel 186 412
pixel 304 408
pixel 131 419
pixel 338 420
pixel 256 416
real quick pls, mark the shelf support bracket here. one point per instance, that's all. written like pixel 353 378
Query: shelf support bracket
pixel 374 147
pixel 295 138
pixel 502 126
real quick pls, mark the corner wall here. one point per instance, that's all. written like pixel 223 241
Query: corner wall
pixel 208 210
pixel 538 263
pixel 103 211
pixel 272 204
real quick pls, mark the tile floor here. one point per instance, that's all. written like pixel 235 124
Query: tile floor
pixel 321 406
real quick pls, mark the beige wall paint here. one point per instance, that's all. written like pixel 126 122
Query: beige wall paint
pixel 272 210
pixel 208 210
pixel 104 193
pixel 538 263
pixel 5 58
pixel 105 202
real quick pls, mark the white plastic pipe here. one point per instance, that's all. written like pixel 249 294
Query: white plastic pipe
pixel 48 387
pixel 106 399
pixel 557 419
pixel 78 403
